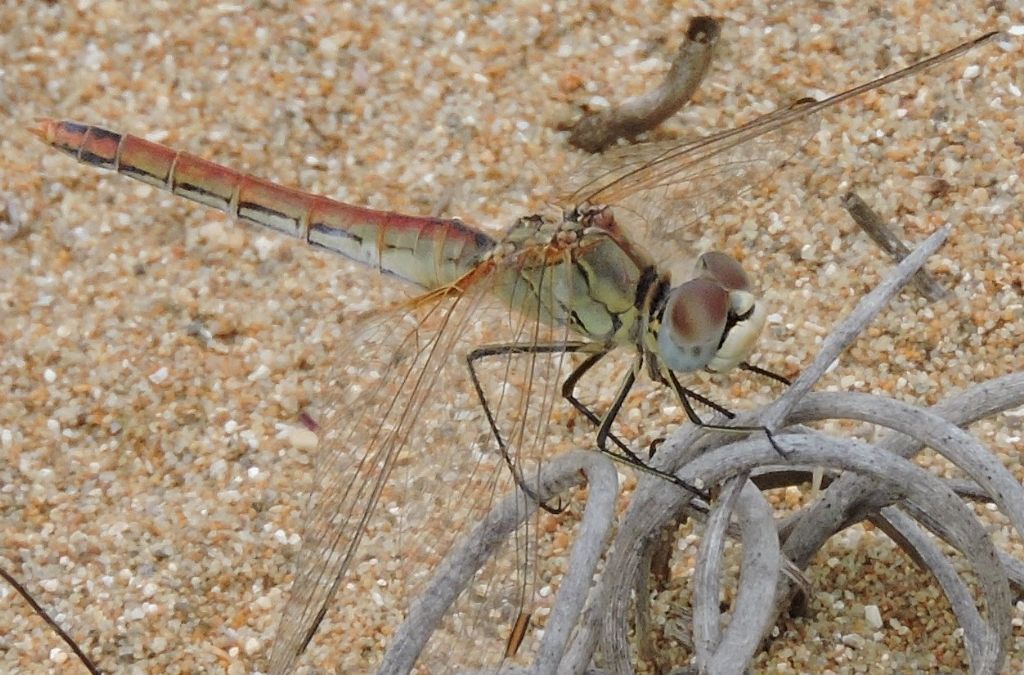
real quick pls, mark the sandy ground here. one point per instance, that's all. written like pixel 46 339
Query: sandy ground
pixel 154 359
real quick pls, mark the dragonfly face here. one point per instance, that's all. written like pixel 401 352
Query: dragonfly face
pixel 711 321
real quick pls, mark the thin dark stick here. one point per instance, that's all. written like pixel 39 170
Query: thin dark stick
pixel 596 132
pixel 870 222
pixel 86 661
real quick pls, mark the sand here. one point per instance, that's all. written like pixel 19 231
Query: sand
pixel 154 358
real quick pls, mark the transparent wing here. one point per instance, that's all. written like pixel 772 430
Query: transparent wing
pixel 722 155
pixel 661 191
pixel 668 187
pixel 523 394
pixel 407 464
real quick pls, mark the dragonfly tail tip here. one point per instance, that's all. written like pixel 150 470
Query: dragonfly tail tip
pixel 45 129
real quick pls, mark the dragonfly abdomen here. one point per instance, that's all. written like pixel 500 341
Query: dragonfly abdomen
pixel 429 252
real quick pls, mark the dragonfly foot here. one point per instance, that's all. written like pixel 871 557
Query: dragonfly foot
pixel 533 496
pixel 553 510
pixel 784 454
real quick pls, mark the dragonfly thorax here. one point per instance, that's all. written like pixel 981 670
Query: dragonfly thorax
pixel 579 271
pixel 711 321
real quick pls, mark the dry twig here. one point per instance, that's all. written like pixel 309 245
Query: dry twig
pixel 878 482
pixel 596 132
pixel 44 615
pixel 881 234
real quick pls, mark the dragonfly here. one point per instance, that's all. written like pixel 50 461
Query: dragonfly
pixel 513 322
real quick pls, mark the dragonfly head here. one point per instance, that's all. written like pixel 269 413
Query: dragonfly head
pixel 711 321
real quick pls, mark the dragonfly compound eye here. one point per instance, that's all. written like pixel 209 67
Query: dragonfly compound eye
pixel 693 324
pixel 724 269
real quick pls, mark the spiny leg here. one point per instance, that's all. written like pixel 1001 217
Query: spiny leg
pixel 685 395
pixel 569 394
pixel 509 350
pixel 604 424
pixel 764 372
pixel 604 430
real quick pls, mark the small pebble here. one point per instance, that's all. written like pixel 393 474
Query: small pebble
pixel 252 646
pixel 873 616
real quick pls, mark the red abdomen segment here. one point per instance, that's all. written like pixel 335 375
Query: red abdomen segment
pixel 429 252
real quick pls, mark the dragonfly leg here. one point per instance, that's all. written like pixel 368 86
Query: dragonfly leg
pixel 605 436
pixel 508 350
pixel 604 430
pixel 694 417
pixel 569 394
pixel 764 372
pixel 685 395
pixel 604 424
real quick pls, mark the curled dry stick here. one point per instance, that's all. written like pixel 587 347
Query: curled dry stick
pixel 596 132
pixel 878 482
